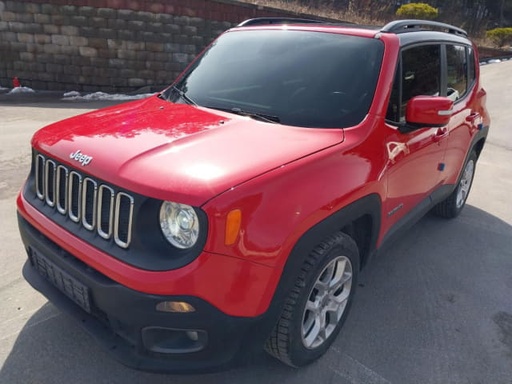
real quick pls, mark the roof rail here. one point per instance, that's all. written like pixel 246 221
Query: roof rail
pixel 277 20
pixel 402 26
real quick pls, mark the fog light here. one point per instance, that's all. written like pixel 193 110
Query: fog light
pixel 173 341
pixel 175 306
pixel 193 335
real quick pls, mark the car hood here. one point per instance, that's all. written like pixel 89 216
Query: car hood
pixel 176 152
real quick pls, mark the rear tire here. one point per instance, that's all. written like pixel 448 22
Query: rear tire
pixel 452 206
pixel 318 303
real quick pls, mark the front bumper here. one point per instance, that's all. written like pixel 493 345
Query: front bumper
pixel 126 321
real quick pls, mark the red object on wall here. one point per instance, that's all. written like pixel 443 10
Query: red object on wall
pixel 15 82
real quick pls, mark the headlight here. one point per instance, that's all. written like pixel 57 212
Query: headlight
pixel 180 224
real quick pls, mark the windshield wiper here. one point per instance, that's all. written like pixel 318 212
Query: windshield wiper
pixel 254 115
pixel 184 96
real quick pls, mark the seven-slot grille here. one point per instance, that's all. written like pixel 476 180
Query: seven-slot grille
pixel 87 202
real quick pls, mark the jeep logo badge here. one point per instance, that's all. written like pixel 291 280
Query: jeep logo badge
pixel 80 157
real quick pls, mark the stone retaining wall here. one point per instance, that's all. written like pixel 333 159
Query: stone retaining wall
pixel 110 45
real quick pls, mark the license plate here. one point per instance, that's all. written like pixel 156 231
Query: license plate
pixel 67 284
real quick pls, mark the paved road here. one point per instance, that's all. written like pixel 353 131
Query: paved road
pixel 436 307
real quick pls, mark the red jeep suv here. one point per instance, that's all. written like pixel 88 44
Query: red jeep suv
pixel 237 207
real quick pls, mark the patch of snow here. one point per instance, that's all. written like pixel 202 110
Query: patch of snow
pixel 21 90
pixel 493 61
pixel 74 96
pixel 2 88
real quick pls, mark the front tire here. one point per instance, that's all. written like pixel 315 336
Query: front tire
pixel 318 303
pixel 452 206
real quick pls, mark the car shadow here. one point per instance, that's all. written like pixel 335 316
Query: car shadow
pixel 434 307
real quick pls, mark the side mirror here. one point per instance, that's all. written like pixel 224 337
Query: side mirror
pixel 428 111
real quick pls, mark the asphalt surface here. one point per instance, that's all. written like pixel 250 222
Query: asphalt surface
pixel 436 307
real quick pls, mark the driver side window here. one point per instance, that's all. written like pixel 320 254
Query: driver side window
pixel 418 73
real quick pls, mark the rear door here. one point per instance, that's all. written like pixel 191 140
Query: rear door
pixel 465 121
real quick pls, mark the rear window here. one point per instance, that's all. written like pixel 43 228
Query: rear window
pixel 306 79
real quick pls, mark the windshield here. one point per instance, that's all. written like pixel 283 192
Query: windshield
pixel 306 79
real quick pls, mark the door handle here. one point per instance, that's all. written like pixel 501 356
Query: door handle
pixel 473 117
pixel 441 134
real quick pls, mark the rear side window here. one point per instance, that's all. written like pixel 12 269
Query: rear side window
pixel 457 67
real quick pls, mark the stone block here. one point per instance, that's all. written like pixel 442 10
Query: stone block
pixel 62 59
pixel 25 17
pixel 89 32
pixel 8 16
pixel 126 14
pixel 69 30
pixel 33 28
pixel 25 38
pixel 155 66
pixel 8 36
pixel 16 26
pixel 42 18
pixel 199 42
pixel 127 73
pixel 147 17
pixel 70 50
pixel 136 25
pixel 107 53
pixel 189 30
pixel 42 38
pixel 180 58
pixel 78 41
pixel 80 61
pixel 60 40
pixel 182 20
pixel 136 82
pixel 72 70
pixel 155 27
pixel 79 21
pixel 116 63
pixel 44 58
pixel 87 11
pixel 116 44
pixel 49 9
pixel 50 29
pixel 97 22
pixel 117 24
pixel 52 49
pixel 32 8
pixel 99 62
pixel 68 10
pixel 181 39
pixel 161 57
pixel 88 52
pixel 107 13
pixel 27 56
pixel 4 25
pixel 171 28
pixel 188 48
pixel 126 54
pixel 35 67
pixel 98 42
pixel 135 45
pixel 127 35
pixel 107 33
pixel 54 68
pixel 61 19
pixel 154 47
pixel 164 18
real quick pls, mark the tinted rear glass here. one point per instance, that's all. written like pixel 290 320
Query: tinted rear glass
pixel 307 79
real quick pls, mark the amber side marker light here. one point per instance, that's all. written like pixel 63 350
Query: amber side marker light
pixel 175 306
pixel 233 221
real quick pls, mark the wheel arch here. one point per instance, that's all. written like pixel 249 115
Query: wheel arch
pixel 360 220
